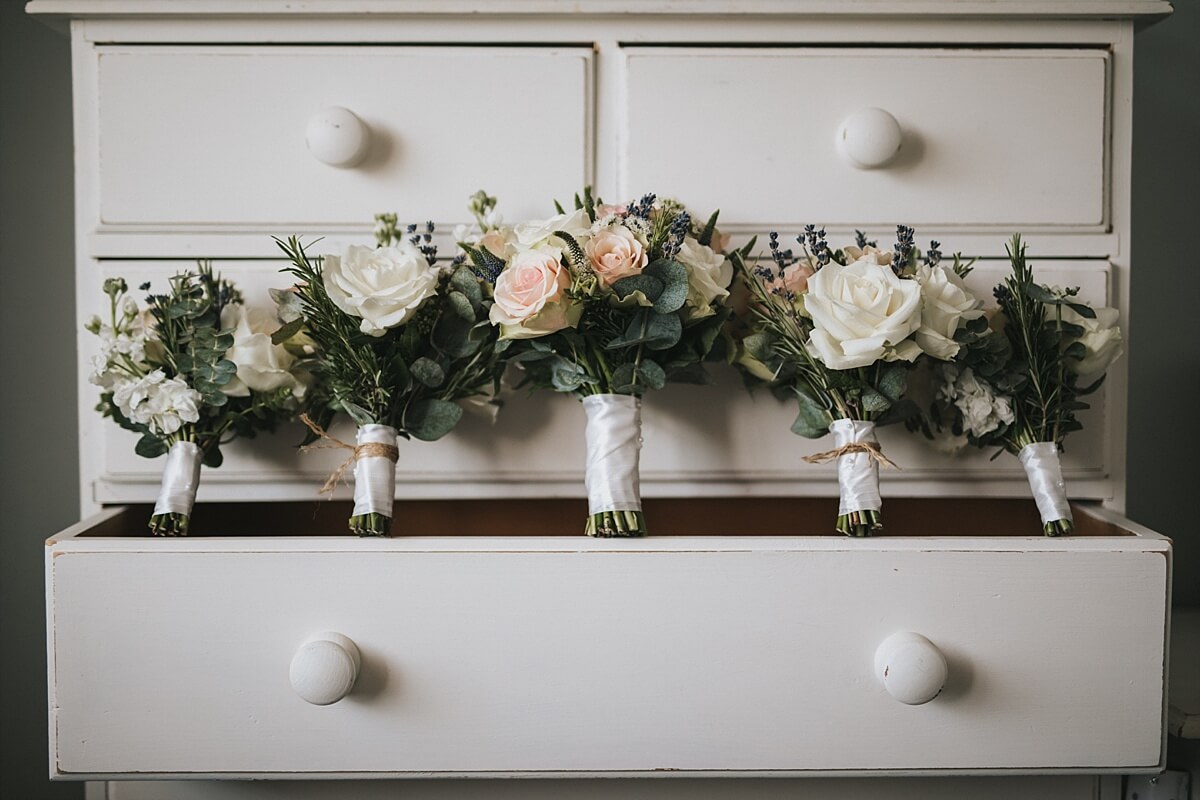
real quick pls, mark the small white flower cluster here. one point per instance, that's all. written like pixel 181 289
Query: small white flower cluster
pixel 157 401
pixel 122 346
pixel 982 409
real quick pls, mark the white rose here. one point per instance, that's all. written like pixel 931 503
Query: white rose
pixel 945 304
pixel 384 286
pixel 862 313
pixel 161 403
pixel 1101 337
pixel 576 223
pixel 709 276
pixel 261 365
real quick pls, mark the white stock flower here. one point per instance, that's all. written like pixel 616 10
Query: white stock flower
pixel 1101 338
pixel 982 410
pixel 862 313
pixel 161 403
pixel 945 304
pixel 261 365
pixel 709 276
pixel 576 223
pixel 384 286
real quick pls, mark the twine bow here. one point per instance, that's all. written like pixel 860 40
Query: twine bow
pixel 327 442
pixel 870 448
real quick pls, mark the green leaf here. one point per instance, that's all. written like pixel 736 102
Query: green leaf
pixel 400 377
pixel 150 446
pixel 893 381
pixel 1083 310
pixel 212 456
pixel 464 280
pixel 452 335
pixel 622 379
pixel 357 413
pixel 430 420
pixel 646 284
pixel 566 376
pixel 461 306
pixel 1076 350
pixel 651 375
pixel 428 372
pixel 674 277
pixel 812 421
pixel 287 331
pixel 874 403
pixel 1041 294
pixel 710 228
pixel 655 331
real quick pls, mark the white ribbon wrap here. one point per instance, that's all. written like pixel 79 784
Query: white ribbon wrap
pixel 1044 471
pixel 375 476
pixel 614 441
pixel 181 478
pixel 858 473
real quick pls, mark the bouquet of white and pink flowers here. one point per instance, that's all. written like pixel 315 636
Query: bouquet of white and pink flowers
pixel 1018 386
pixel 398 342
pixel 839 330
pixel 189 373
pixel 607 302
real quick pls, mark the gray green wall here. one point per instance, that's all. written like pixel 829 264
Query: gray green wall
pixel 38 492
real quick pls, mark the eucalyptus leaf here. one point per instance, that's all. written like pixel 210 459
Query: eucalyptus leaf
pixel 674 277
pixel 150 446
pixel 465 281
pixel 212 456
pixel 1041 294
pixel 1083 310
pixel 893 381
pixel 287 331
pixel 428 372
pixel 461 306
pixel 430 420
pixel 651 374
pixel 622 379
pixel 287 305
pixel 648 285
pixel 874 402
pixel 813 419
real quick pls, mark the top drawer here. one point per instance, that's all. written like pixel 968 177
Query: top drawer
pixel 215 136
pixel 991 139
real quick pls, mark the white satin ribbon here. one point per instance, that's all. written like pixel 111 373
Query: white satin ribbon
pixel 858 473
pixel 1044 471
pixel 375 476
pixel 181 478
pixel 614 441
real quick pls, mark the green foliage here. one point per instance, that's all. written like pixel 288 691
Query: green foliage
pixel 411 377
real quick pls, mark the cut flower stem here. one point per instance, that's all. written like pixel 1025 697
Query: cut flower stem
pixel 616 524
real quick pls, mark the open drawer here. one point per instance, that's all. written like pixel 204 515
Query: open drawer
pixel 724 645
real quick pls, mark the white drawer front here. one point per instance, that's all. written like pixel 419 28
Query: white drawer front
pixel 994 139
pixel 547 658
pixel 215 136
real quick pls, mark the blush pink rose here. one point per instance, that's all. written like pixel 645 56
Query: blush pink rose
pixel 529 295
pixel 615 253
pixel 795 278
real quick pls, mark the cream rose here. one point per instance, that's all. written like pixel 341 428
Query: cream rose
pixel 946 303
pixel 709 276
pixel 862 313
pixel 1101 337
pixel 577 223
pixel 615 253
pixel 384 286
pixel 261 365
pixel 530 296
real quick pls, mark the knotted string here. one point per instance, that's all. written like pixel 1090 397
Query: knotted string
pixel 327 442
pixel 870 448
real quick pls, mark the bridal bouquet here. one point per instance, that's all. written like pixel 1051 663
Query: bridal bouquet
pixel 839 331
pixel 397 342
pixel 1019 387
pixel 607 302
pixel 189 373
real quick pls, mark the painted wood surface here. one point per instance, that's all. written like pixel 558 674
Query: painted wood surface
pixel 574 657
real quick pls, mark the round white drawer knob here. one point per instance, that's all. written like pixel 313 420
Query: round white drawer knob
pixel 337 137
pixel 869 138
pixel 324 668
pixel 911 668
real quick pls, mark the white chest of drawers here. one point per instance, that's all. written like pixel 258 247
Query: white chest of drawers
pixel 748 653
